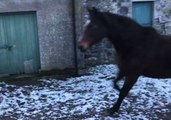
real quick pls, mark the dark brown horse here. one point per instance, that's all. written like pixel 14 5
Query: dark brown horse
pixel 140 50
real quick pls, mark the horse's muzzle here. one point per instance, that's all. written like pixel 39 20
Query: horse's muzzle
pixel 82 49
pixel 83 45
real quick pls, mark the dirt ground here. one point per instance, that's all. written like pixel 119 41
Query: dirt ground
pixel 79 107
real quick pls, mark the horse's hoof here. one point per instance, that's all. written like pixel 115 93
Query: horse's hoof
pixel 110 112
pixel 107 113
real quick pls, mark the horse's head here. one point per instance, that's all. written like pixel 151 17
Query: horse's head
pixel 94 30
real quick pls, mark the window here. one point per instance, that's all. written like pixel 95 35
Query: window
pixel 142 12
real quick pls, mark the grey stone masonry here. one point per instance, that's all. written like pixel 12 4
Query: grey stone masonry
pixel 55 29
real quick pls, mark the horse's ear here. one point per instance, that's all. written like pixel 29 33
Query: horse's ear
pixel 95 14
pixel 92 12
pixel 92 9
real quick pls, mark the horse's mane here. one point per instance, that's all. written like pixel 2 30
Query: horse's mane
pixel 129 22
pixel 123 20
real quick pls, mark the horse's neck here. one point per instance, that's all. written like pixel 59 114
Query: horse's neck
pixel 124 39
pixel 127 41
pixel 166 37
pixel 121 46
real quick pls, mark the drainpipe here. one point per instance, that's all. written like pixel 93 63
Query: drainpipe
pixel 74 37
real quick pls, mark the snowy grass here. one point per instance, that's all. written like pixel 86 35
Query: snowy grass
pixel 86 98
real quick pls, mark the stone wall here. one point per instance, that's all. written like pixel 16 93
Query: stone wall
pixel 55 29
pixel 162 16
pixel 104 51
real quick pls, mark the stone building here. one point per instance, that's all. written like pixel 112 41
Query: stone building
pixel 38 35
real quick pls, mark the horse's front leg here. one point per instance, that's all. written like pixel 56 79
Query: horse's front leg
pixel 118 78
pixel 128 84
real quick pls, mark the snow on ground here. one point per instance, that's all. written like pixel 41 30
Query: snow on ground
pixel 85 98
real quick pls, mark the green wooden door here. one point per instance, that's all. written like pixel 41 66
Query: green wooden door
pixel 143 13
pixel 3 50
pixel 18 43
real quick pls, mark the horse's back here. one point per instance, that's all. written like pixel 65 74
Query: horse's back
pixel 159 62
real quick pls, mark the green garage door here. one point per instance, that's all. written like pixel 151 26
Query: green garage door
pixel 19 51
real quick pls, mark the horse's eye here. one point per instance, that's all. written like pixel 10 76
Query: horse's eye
pixel 94 26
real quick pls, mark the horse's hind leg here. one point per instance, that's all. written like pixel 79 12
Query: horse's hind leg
pixel 128 84
pixel 119 77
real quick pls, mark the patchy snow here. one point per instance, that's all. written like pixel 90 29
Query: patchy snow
pixel 86 98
